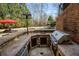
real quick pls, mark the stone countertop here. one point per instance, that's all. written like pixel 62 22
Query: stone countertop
pixel 15 45
pixel 69 50
pixel 10 36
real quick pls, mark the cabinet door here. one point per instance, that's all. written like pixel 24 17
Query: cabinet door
pixel 43 40
pixel 33 42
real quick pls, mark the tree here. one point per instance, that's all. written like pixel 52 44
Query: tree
pixel 3 10
pixel 51 21
pixel 39 13
pixel 14 11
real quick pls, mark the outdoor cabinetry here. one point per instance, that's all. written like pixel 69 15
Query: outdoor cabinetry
pixel 40 40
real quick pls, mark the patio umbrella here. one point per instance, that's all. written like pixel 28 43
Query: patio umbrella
pixel 8 21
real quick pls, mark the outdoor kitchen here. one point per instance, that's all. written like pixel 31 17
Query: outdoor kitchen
pixel 62 45
pixel 59 44
pixel 56 43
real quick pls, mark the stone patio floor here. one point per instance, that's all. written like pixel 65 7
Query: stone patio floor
pixel 41 51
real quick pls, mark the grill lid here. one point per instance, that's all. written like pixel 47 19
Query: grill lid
pixel 58 34
pixel 60 38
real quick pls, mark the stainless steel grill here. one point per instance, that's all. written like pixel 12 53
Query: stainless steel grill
pixel 58 37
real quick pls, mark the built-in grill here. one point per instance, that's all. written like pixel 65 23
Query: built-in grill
pixel 58 37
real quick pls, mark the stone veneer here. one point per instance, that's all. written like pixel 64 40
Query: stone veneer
pixel 68 21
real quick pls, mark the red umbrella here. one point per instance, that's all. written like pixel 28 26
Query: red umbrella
pixel 7 21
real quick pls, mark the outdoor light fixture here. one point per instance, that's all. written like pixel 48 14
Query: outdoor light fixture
pixel 27 15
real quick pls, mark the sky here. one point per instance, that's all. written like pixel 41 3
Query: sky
pixel 48 8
